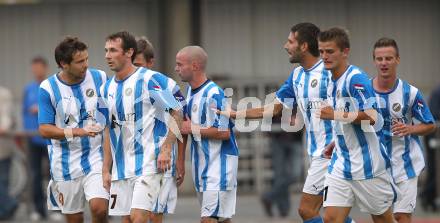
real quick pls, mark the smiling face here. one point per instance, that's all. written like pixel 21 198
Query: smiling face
pixel 77 68
pixel 386 61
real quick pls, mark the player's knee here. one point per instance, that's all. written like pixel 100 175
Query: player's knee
pixel 99 211
pixel 306 213
pixel 402 218
pixel 329 218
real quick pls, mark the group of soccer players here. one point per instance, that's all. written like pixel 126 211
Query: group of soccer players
pixel 119 143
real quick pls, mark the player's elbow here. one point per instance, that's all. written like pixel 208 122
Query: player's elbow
pixel 44 131
pixel 431 128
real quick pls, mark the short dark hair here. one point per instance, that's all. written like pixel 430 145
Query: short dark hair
pixel 386 42
pixel 146 48
pixel 128 41
pixel 67 48
pixel 307 33
pixel 40 60
pixel 339 35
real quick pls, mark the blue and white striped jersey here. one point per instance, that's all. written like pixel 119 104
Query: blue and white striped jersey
pixel 138 113
pixel 358 153
pixel 73 106
pixel 307 89
pixel 214 162
pixel 403 104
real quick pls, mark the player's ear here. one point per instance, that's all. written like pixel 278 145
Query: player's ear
pixel 304 47
pixel 63 65
pixel 130 52
pixel 346 51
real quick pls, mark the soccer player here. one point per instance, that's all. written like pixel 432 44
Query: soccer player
pixel 214 151
pixel 406 116
pixel 357 170
pixel 305 88
pixel 70 117
pixel 139 141
pixel 166 202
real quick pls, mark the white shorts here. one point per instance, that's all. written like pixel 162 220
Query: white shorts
pixel 70 196
pixel 314 183
pixel 374 196
pixel 407 202
pixel 166 202
pixel 137 192
pixel 217 204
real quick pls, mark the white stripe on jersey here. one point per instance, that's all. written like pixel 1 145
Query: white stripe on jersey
pixel 79 105
pixel 214 162
pixel 358 152
pixel 308 88
pixel 137 121
pixel 405 152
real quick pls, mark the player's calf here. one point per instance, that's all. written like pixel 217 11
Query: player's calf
pixel 99 210
pixel 403 217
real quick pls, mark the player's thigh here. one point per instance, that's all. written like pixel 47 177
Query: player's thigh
pixel 374 196
pixel 408 196
pixel 121 193
pixel 146 191
pixel 314 183
pixel 218 204
pixel 167 199
pixel 95 193
pixel 67 196
pixel 338 192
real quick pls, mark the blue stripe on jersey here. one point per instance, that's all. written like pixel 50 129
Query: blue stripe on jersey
pixel 52 198
pixel 96 78
pixel 65 153
pixel 386 136
pixel 194 150
pixel 204 103
pixel 138 113
pixel 309 114
pixel 119 154
pixel 332 162
pixel 85 143
pixel 346 156
pixel 368 167
pixel 323 95
pixel 409 168
pixel 159 131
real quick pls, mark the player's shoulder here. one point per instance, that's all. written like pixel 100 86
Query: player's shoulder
pixel 213 88
pixel 357 74
pixel 97 73
pixel 47 82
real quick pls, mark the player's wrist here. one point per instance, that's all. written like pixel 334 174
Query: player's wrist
pixel 68 134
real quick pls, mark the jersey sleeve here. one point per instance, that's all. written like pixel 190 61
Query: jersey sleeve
pixel 160 95
pixel 103 116
pixel 420 110
pixel 218 102
pixel 360 88
pixel 286 94
pixel 46 111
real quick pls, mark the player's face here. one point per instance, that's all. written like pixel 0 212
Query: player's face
pixel 386 61
pixel 293 49
pixel 39 70
pixel 78 67
pixel 140 61
pixel 332 55
pixel 184 67
pixel 115 56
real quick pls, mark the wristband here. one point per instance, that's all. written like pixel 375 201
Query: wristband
pixel 68 133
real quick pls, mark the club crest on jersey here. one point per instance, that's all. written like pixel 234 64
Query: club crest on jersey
pixel 396 107
pixel 90 92
pixel 314 83
pixel 128 91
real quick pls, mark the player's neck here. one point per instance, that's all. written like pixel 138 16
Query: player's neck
pixel 337 72
pixel 384 84
pixel 69 79
pixel 125 72
pixel 309 61
pixel 198 81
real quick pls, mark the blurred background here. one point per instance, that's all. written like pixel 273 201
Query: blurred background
pixel 244 40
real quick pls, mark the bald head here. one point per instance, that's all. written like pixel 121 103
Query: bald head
pixel 195 54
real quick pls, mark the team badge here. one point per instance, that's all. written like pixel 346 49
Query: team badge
pixel 314 83
pixel 396 107
pixel 128 91
pixel 90 92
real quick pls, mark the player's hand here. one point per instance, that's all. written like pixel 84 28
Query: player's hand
pixel 328 150
pixel 400 129
pixel 89 130
pixel 180 169
pixel 164 158
pixel 106 180
pixel 185 129
pixel 228 112
pixel 326 113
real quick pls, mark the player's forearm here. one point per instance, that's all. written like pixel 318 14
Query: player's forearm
pixel 214 133
pixel 268 110
pixel 173 125
pixel 181 148
pixel 53 132
pixel 422 129
pixel 357 117
pixel 108 160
